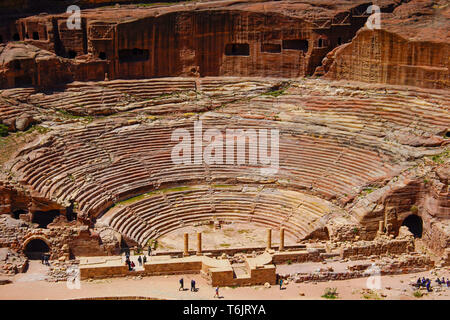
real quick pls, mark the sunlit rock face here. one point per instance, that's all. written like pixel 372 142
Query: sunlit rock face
pixel 88 115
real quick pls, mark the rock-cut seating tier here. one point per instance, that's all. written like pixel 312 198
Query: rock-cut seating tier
pixel 157 213
pixel 108 161
pixel 155 96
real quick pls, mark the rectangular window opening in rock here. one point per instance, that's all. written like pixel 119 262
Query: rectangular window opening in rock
pixel 237 49
pixel 296 44
pixel 133 55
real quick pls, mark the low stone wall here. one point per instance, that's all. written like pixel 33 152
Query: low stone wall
pixel 402 265
pixel 224 277
pixel 358 250
pixel 310 255
pixel 217 272
pixel 104 272
pixel 231 251
pixel 170 268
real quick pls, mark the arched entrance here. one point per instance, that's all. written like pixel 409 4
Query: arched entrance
pixel 35 248
pixel 414 224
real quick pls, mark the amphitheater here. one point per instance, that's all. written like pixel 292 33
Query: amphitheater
pixel 362 116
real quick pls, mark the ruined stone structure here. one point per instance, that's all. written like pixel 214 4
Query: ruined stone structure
pixel 87 165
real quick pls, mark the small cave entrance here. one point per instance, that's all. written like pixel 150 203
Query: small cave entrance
pixel 70 214
pixel 447 134
pixel 17 65
pixel 16 37
pixel 237 49
pixel 414 224
pixel 16 214
pixel 296 44
pixel 23 81
pixel 35 35
pixel 102 55
pixel 320 43
pixel 71 54
pixel 44 218
pixel 36 248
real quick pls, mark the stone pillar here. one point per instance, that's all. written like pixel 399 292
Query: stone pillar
pixel 269 239
pixel 281 239
pixel 380 226
pixel 186 244
pixel 199 243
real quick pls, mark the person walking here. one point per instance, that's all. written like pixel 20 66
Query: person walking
pixel 140 261
pixel 181 284
pixel 429 286
pixel 149 251
pixel 193 285
pixel 281 284
pixel 128 263
pixel 144 259
pixel 217 292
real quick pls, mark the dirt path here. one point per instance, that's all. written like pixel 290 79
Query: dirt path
pixel 166 287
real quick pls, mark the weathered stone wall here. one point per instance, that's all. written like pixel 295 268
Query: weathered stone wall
pixel 311 255
pixel 424 195
pixel 380 56
pixel 358 250
pixel 190 43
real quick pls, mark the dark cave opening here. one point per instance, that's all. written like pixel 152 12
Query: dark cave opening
pixel 36 248
pixel 414 224
pixel 296 44
pixel 237 49
pixel 44 218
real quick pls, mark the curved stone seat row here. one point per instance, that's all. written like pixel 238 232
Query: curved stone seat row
pixel 108 97
pixel 163 211
pixel 106 162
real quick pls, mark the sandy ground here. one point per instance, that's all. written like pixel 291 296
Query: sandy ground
pixel 31 286
pixel 233 235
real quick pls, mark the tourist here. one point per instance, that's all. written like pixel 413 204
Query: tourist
pixel 128 262
pixel 140 261
pixel 132 265
pixel 149 251
pixel 443 281
pixel 193 285
pixel 281 283
pixel 217 292
pixel 144 259
pixel 181 284
pixel 42 258
pixel 429 286
pixel 448 283
pixel 438 281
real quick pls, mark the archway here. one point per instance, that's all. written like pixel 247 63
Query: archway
pixel 35 248
pixel 414 224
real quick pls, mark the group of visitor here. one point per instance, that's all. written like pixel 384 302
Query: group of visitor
pixel 426 283
pixel 193 289
pixel 131 265
pixel 142 260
